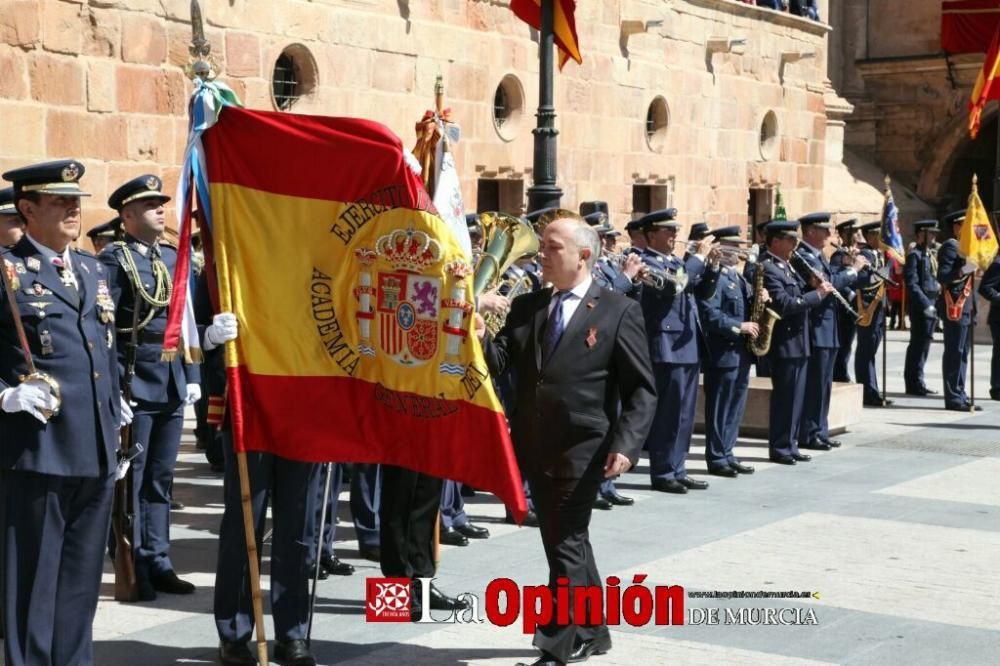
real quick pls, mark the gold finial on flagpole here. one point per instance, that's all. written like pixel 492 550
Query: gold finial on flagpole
pixel 888 180
pixel 203 65
pixel 439 94
pixel 975 179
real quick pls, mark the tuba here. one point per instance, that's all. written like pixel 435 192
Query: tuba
pixel 505 240
pixel 511 287
pixel 763 316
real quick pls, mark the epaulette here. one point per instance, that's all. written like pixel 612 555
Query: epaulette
pixel 85 253
pixel 166 243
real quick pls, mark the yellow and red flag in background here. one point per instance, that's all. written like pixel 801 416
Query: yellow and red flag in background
pixel 967 26
pixel 356 339
pixel 564 25
pixel 987 86
pixel 976 240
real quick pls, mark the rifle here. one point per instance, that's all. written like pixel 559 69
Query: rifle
pixel 123 510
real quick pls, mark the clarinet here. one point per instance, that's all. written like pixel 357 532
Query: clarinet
pixel 819 276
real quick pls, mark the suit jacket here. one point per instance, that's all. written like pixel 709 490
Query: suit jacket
pixel 989 289
pixel 567 417
pixel 71 339
pixel 722 313
pixel 155 380
pixel 672 325
pixel 789 299
pixel 921 282
pixel 950 277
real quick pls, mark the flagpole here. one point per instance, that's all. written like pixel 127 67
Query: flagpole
pixel 319 550
pixel 544 192
pixel 200 68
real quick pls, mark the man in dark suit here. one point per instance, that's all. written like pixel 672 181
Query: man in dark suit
pixel 140 274
pixel 725 316
pixel 847 325
pixel 989 289
pixel 808 259
pixel 790 344
pixel 956 303
pixel 923 290
pixel 579 352
pixel 673 332
pixel 57 460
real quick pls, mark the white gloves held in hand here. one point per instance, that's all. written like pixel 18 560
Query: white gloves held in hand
pixel 224 327
pixel 33 396
pixel 126 413
pixel 193 394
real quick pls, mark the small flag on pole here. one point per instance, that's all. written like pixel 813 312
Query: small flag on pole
pixel 892 241
pixel 564 25
pixel 976 241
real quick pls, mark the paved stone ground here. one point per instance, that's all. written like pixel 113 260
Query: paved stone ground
pixel 897 531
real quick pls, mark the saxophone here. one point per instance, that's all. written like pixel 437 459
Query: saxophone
pixel 511 287
pixel 761 315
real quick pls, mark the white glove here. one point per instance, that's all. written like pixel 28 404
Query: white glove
pixel 126 413
pixel 193 394
pixel 224 327
pixel 969 267
pixel 32 396
pixel 930 312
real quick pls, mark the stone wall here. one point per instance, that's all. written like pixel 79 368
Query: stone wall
pixel 102 80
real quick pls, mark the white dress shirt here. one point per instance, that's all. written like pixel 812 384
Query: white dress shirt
pixel 571 302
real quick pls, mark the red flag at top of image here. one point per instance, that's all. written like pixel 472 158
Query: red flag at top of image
pixel 564 25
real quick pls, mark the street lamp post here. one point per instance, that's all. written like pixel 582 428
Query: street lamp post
pixel 544 192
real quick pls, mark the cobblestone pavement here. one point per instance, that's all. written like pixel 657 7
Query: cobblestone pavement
pixel 897 532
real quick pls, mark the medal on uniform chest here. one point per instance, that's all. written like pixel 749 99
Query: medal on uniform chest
pixel 33 264
pixel 45 340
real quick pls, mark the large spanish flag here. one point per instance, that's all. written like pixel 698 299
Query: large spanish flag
pixel 530 11
pixel 987 86
pixel 356 338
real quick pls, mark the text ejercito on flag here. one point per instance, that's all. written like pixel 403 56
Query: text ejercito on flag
pixel 356 337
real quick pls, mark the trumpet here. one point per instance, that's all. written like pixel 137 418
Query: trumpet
pixel 740 254
pixel 659 278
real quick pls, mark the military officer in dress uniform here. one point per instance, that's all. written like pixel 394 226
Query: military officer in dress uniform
pixel 923 288
pixel 956 302
pixel 726 363
pixel 808 259
pixel 672 330
pixel 103 234
pixel 790 344
pixel 58 456
pixel 11 227
pixel 989 289
pixel 140 272
pixel 846 323
pixel 870 304
pixel 636 238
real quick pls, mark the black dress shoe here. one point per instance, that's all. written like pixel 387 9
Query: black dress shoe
pixel 783 460
pixel 373 554
pixel 451 537
pixel 169 582
pixel 815 445
pixel 967 407
pixel 236 654
pixel 530 519
pixel 670 486
pixel 602 504
pixel 802 457
pixel 218 468
pixel 439 600
pixel 467 491
pixel 585 650
pixel 741 468
pixel 334 567
pixel 994 395
pixel 878 402
pixel 544 660
pixel 293 653
pixel 726 471
pixel 832 443
pixel 320 575
pixel 928 391
pixel 618 499
pixel 146 590
pixel 176 506
pixel 693 484
pixel 470 531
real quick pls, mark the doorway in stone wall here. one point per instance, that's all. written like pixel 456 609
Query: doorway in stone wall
pixel 759 208
pixel 501 195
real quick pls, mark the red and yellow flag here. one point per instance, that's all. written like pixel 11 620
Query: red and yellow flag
pixel 987 86
pixel 967 26
pixel 976 240
pixel 530 11
pixel 356 338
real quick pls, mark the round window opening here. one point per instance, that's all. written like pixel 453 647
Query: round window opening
pixel 293 77
pixel 657 120
pixel 508 107
pixel 769 136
